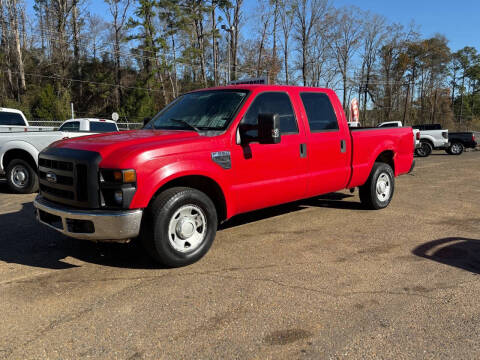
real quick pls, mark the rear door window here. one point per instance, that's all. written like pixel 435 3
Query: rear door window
pixel 272 103
pixel 99 126
pixel 72 126
pixel 320 114
pixel 13 119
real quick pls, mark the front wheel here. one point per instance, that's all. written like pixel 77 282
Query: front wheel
pixel 21 178
pixel 179 226
pixel 456 148
pixel 377 192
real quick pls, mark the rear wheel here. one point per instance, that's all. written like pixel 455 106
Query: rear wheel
pixel 21 178
pixel 377 192
pixel 456 148
pixel 424 150
pixel 179 227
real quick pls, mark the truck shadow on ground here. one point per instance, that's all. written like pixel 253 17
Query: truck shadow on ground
pixel 4 189
pixel 463 253
pixel 332 200
pixel 24 241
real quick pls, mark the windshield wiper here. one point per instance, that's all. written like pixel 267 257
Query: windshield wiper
pixel 185 123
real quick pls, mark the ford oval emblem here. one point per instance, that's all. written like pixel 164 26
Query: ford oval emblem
pixel 51 177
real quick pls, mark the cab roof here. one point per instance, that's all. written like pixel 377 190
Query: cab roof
pixel 263 87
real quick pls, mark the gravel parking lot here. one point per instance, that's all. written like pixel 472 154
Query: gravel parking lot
pixel 320 278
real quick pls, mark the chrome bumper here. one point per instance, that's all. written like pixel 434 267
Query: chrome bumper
pixel 96 225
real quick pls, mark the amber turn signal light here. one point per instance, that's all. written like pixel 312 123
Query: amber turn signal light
pixel 124 176
pixel 129 176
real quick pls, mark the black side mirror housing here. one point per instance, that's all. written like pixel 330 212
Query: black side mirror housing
pixel 269 129
pixel 146 120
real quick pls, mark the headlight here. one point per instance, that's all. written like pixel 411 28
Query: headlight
pixel 128 176
pixel 117 187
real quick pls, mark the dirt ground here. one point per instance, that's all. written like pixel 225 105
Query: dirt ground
pixel 321 278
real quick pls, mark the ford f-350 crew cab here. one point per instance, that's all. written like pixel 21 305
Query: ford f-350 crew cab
pixel 209 155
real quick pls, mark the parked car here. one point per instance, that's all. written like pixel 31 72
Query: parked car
pixel 429 127
pixel 208 156
pixel 13 120
pixel 459 141
pixel 89 125
pixel 416 132
pixel 431 137
pixel 19 150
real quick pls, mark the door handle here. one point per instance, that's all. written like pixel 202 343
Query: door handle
pixel 303 150
pixel 343 146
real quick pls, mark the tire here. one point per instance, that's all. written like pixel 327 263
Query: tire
pixel 21 178
pixel 447 150
pixel 456 148
pixel 424 150
pixel 179 226
pixel 373 194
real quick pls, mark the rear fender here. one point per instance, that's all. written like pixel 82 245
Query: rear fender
pixel 361 172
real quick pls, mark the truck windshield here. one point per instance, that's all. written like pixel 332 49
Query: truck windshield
pixel 202 110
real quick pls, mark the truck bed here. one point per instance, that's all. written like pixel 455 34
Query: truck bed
pixel 367 141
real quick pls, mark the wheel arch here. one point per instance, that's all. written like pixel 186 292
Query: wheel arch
pixel 18 153
pixel 429 141
pixel 387 157
pixel 202 183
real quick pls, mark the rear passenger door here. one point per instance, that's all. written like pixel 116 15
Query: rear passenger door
pixel 328 155
pixel 270 174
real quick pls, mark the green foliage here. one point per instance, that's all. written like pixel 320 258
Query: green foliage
pixel 47 105
pixel 13 104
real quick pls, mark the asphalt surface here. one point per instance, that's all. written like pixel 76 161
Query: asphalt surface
pixel 317 279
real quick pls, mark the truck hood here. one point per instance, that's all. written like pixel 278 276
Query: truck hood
pixel 122 144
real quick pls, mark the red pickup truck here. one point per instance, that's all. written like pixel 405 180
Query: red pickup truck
pixel 209 155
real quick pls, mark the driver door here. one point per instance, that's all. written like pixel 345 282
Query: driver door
pixel 270 174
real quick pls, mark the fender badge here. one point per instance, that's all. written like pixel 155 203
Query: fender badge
pixel 222 158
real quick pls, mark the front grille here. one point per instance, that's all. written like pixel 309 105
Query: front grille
pixel 82 191
pixel 59 193
pixel 69 176
pixel 63 180
pixel 55 164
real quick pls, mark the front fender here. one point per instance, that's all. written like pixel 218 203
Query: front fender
pixel 18 145
pixel 148 183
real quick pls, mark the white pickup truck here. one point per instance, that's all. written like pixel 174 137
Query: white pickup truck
pixel 416 133
pixel 19 150
pixel 13 120
pixel 428 139
pixel 432 137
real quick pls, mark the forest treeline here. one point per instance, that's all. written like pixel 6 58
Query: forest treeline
pixel 141 54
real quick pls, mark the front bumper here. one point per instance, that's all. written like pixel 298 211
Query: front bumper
pixel 95 225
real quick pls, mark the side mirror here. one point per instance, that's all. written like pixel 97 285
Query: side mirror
pixel 146 120
pixel 269 129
